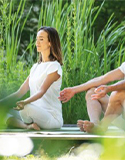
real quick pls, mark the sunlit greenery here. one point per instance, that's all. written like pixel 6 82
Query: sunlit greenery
pixel 90 45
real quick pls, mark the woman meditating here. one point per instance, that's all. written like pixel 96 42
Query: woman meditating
pixel 43 108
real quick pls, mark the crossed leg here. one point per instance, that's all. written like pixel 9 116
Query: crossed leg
pixel 114 109
pixel 14 122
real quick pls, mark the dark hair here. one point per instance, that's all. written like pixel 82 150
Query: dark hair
pixel 55 49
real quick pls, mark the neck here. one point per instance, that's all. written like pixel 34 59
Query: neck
pixel 47 60
pixel 45 56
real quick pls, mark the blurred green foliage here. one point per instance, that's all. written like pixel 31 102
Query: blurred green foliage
pixel 92 38
pixel 110 6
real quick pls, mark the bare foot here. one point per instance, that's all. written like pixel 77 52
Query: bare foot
pixel 80 124
pixel 33 126
pixel 86 126
pixel 90 127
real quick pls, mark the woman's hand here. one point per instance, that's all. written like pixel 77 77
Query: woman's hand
pixel 20 105
pixel 100 92
pixel 66 94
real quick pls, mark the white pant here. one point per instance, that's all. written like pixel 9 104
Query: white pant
pixel 39 115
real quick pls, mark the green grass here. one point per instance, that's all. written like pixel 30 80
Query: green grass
pixel 12 72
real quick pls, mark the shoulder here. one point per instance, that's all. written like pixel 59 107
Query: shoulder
pixel 33 67
pixel 55 63
pixel 54 66
pixel 35 64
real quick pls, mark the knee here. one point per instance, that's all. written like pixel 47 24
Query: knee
pixel 117 96
pixel 9 121
pixel 25 111
pixel 89 93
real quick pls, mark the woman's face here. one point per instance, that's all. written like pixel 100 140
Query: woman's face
pixel 42 42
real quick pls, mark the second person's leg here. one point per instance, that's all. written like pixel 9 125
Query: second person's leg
pixel 114 109
pixel 94 108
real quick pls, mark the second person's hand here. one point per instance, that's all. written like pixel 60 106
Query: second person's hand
pixel 100 92
pixel 66 94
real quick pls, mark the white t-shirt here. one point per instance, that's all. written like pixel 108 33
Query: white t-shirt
pixel 49 100
pixel 122 67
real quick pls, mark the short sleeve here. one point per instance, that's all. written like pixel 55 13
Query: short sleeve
pixel 122 67
pixel 55 66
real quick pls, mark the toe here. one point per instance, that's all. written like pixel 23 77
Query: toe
pixel 36 127
pixel 80 121
pixel 88 127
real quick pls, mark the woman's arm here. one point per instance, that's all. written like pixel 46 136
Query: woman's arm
pixel 20 93
pixel 23 89
pixel 47 83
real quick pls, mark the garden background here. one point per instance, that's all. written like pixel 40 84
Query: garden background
pixel 92 37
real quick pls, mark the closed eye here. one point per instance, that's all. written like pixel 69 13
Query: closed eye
pixel 39 39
